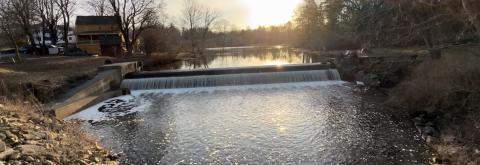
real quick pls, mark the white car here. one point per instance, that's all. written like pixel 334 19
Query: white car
pixel 55 50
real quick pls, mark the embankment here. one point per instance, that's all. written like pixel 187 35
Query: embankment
pixel 442 96
pixel 28 136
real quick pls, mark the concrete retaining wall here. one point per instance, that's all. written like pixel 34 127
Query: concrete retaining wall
pixel 233 70
pixel 105 85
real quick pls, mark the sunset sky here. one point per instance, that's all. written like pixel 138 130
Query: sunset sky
pixel 241 13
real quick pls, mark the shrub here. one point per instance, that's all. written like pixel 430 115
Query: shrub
pixel 159 59
pixel 435 82
pixel 448 92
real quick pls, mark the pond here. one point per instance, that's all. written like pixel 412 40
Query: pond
pixel 248 56
pixel 322 122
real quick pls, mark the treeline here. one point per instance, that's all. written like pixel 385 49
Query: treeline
pixel 162 38
pixel 270 35
pixel 347 24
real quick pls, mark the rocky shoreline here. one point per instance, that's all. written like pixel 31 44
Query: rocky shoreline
pixel 30 137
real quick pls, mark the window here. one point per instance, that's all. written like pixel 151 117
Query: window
pixel 70 38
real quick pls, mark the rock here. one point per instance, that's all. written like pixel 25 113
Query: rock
pixel 113 156
pixel 430 124
pixel 52 157
pixel 429 130
pixel 430 139
pixel 448 138
pixel 29 137
pixel 32 149
pixel 14 156
pixel 3 146
pixel 82 162
pixel 47 162
pixel 3 136
pixel 95 159
pixel 12 138
pixel 28 158
pixel 6 153
pixel 437 161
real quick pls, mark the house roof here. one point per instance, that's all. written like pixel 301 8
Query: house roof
pixel 97 32
pixel 96 20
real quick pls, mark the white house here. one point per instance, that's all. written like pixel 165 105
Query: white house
pixel 39 37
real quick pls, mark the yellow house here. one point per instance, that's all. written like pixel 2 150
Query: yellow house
pixel 99 35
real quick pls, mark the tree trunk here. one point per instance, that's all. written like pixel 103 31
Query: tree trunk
pixel 65 36
pixel 129 47
pixel 17 52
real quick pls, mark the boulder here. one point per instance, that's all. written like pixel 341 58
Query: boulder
pixel 32 149
pixel 3 146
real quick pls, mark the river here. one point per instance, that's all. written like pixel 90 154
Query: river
pixel 322 122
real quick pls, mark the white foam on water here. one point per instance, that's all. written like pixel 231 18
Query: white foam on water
pixel 141 103
pixel 93 113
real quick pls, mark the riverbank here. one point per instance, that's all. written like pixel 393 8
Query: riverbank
pixel 28 136
pixel 29 133
pixel 442 97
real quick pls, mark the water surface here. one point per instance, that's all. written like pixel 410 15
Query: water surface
pixel 297 123
pixel 247 56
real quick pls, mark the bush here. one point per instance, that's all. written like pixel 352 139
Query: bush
pixel 434 83
pixel 158 60
pixel 447 93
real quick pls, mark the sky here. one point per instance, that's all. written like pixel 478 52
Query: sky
pixel 240 13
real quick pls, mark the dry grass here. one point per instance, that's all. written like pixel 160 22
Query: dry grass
pixel 56 69
pixel 46 77
pixel 448 90
pixel 435 81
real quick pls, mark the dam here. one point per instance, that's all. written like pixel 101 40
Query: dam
pixel 296 113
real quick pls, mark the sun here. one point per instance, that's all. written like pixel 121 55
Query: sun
pixel 270 12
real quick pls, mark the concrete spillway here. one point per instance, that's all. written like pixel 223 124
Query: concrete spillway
pixel 230 77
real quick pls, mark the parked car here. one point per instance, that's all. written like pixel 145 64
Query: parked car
pixel 26 49
pixel 55 50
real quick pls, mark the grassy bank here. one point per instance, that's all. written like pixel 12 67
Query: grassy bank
pixel 444 98
pixel 46 77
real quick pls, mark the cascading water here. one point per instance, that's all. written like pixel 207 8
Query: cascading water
pixel 230 79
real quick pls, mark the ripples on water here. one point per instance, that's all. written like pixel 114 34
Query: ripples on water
pixel 302 123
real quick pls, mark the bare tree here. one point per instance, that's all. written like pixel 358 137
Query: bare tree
pixel 209 17
pixel 197 20
pixel 49 14
pixel 133 17
pixel 24 12
pixel 66 8
pixel 191 19
pixel 7 26
pixel 99 7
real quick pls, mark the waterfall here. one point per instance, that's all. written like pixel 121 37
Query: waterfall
pixel 230 79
